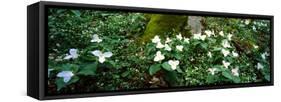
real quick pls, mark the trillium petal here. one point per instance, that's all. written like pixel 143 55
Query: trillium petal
pixel 97 53
pixel 67 57
pixel 156 39
pixel 173 64
pixel 66 75
pixel 158 56
pixel 96 38
pixel 66 79
pixel 167 47
pixel 159 45
pixel 179 47
pixel 107 54
pixel 73 51
pixel 101 59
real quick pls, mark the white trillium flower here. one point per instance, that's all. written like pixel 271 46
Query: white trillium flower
pixel 179 47
pixel 235 71
pixel 212 70
pixel 186 40
pixel 225 64
pixel 235 54
pixel 209 54
pixel 203 37
pixel 72 54
pixel 168 40
pixel 209 33
pixel 247 22
pixel 101 55
pixel 66 75
pixel 225 52
pixel 179 36
pixel 221 33
pixel 229 36
pixel 167 47
pixel 96 39
pixel 173 64
pixel 159 45
pixel 259 66
pixel 159 56
pixel 226 44
pixel 264 55
pixel 255 46
pixel 197 36
pixel 156 39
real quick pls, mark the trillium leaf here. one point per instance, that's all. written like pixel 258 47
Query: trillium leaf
pixel 154 68
pixel 204 45
pixel 89 69
pixel 236 79
pixel 196 42
pixel 74 79
pixel 166 66
pixel 227 74
pixel 125 74
pixel 171 77
pixel 210 78
pixel 267 77
pixel 76 12
pixel 60 83
pixel 179 70
pixel 70 67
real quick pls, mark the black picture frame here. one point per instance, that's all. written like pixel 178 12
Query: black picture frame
pixel 37 48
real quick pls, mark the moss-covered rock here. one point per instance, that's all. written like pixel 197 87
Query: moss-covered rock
pixel 161 24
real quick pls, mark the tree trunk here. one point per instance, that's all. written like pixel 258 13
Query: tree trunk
pixel 160 24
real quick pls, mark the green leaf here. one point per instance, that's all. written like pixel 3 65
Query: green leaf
pixel 236 79
pixel 74 79
pixel 171 77
pixel 227 74
pixel 154 68
pixel 60 83
pixel 178 56
pixel 71 67
pixel 76 12
pixel 204 45
pixel 179 70
pixel 166 66
pixel 217 49
pixel 89 69
pixel 267 77
pixel 125 74
pixel 210 79
pixel 195 43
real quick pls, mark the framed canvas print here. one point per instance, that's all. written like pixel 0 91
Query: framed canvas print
pixel 82 50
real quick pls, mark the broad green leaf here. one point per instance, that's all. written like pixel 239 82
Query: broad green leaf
pixel 125 74
pixel 210 79
pixel 76 12
pixel 204 45
pixel 154 68
pixel 72 67
pixel 171 77
pixel 74 79
pixel 227 74
pixel 60 83
pixel 179 70
pixel 89 69
pixel 236 79
pixel 267 77
pixel 166 66
pixel 195 43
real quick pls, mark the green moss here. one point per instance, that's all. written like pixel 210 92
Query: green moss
pixel 160 24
